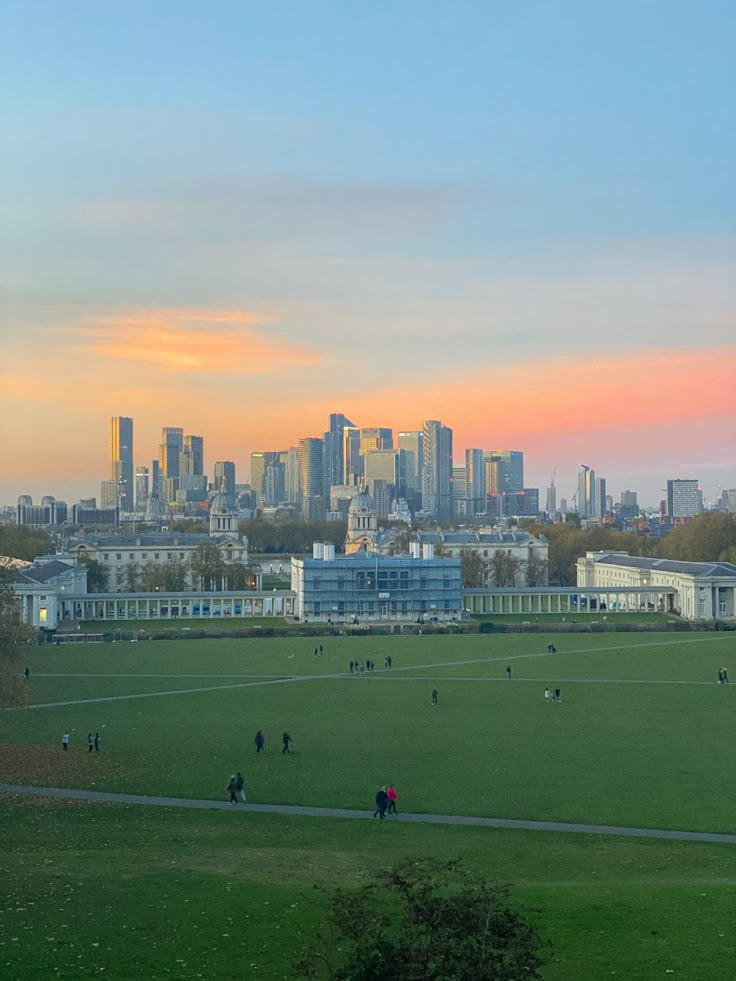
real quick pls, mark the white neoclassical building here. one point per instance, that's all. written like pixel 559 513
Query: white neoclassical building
pixel 702 590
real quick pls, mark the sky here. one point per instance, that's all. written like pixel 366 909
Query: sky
pixel 239 217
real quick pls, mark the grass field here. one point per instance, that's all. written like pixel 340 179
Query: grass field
pixel 641 739
pixel 177 625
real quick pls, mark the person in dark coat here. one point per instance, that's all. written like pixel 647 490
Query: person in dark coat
pixel 286 739
pixel 260 740
pixel 97 742
pixel 231 790
pixel 381 803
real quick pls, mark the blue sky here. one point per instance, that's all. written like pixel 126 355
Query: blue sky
pixel 470 183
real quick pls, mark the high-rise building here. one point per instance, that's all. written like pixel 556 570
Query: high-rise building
pixel 141 488
pixel 588 499
pixel 121 461
pixel 376 438
pixel 684 499
pixel 154 485
pixel 224 476
pixel 550 506
pixel 475 484
pixel 192 459
pixel 293 477
pixel 460 502
pixel 109 493
pixel 352 460
pixel 172 446
pixel 260 460
pixel 310 461
pixel 388 466
pixel 602 497
pixel 412 443
pixel 334 462
pixel 437 469
pixel 504 471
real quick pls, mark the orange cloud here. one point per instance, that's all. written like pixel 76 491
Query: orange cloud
pixel 202 341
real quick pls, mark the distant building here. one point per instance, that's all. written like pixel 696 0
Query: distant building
pixel 702 590
pixel 41 585
pixel 437 469
pixel 368 586
pixel 684 499
pixel 224 473
pixel 588 497
pixel 121 462
pixel 525 553
pixel 310 462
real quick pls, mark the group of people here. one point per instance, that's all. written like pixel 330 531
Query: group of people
pixel 236 788
pixel 723 676
pixel 319 651
pixel 260 741
pixel 93 742
pixel 362 666
pixel 385 801
pixel 552 694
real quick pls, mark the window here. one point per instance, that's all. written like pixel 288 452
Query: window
pixel 445 583
pixel 316 582
pixel 105 557
pixel 131 556
pixel 118 556
pixel 169 556
pixel 340 584
pixel 157 556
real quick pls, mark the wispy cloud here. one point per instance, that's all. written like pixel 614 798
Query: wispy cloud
pixel 197 340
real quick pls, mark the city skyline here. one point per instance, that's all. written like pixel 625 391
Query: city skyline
pixel 519 221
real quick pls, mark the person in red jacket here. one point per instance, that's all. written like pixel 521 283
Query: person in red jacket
pixel 391 794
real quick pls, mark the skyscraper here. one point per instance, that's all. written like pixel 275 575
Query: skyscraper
pixel 412 443
pixel 475 484
pixel 334 462
pixel 683 499
pixel 352 460
pixel 376 438
pixel 192 461
pixel 437 469
pixel 172 445
pixel 504 471
pixel 225 476
pixel 121 460
pixel 310 461
pixel 588 501
pixel 141 488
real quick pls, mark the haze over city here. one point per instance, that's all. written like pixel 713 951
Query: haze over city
pixel 517 221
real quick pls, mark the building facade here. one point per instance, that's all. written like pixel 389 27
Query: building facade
pixel 437 469
pixel 368 586
pixel 701 590
pixel 121 462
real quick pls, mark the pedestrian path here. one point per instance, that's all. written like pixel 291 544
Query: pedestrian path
pixel 335 812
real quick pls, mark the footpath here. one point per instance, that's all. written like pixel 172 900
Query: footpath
pixel 24 790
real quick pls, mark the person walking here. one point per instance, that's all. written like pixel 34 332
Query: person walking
pixel 26 673
pixel 391 794
pixel 286 739
pixel 97 742
pixel 720 676
pixel 381 803
pixel 508 672
pixel 260 741
pixel 558 696
pixel 231 790
pixel 546 694
pixel 240 786
pixel 90 742
pixel 435 696
pixel 65 742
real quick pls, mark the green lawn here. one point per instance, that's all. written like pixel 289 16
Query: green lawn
pixel 129 892
pixel 641 738
pixel 609 619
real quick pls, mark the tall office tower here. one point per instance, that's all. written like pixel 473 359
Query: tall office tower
pixel 225 476
pixel 412 443
pixel 602 495
pixel 376 438
pixel 109 493
pixel 154 485
pixel 141 488
pixel 588 502
pixel 388 466
pixel 121 460
pixel 192 460
pixel 274 481
pixel 550 505
pixel 334 462
pixel 504 471
pixel 437 470
pixel 475 484
pixel 460 503
pixel 629 499
pixel 310 462
pixel 172 446
pixel 684 500
pixel 352 460
pixel 293 477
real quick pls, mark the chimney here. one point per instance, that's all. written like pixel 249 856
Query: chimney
pixel 329 552
pixel 427 551
pixel 318 550
pixel 415 550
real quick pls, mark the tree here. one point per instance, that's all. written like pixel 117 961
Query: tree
pixel 504 568
pixel 705 538
pixel 20 542
pixel 422 920
pixel 171 576
pixel 537 570
pixel 14 635
pixel 471 567
pixel 208 567
pixel 97 575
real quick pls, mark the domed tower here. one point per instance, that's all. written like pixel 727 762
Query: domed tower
pixel 223 516
pixel 362 523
